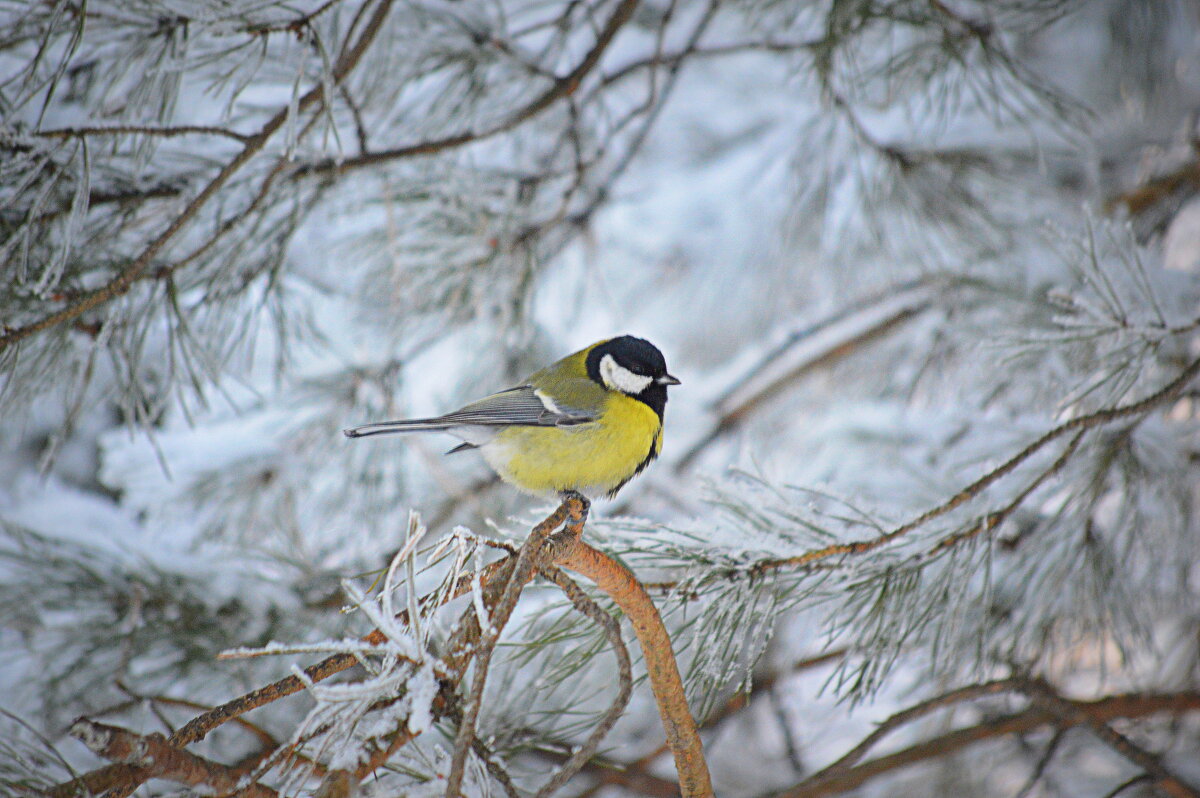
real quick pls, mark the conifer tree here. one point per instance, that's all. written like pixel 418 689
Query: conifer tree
pixel 926 517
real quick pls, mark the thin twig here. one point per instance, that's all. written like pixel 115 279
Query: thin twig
pixel 563 87
pixel 1125 785
pixel 527 562
pixel 791 747
pixel 349 57
pixel 1084 422
pixel 293 25
pixel 910 714
pixel 830 782
pixel 690 53
pixel 1039 769
pixel 612 630
pixel 993 520
pixel 818 345
pixel 144 130
pixel 262 735
pixel 1073 712
pixel 498 771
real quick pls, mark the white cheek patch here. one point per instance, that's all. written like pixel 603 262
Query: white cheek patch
pixel 622 379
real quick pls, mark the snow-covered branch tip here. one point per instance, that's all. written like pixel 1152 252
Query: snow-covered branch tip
pixel 1079 424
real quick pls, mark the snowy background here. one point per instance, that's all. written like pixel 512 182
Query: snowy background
pixel 885 246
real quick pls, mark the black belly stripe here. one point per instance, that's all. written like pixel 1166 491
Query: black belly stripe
pixel 647 460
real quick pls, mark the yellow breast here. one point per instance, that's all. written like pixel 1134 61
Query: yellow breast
pixel 596 458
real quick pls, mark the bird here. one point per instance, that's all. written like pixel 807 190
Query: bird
pixel 583 426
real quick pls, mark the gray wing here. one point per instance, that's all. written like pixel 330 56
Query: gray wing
pixel 523 406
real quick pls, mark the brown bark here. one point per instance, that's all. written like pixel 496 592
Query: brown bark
pixel 624 588
pixel 156 758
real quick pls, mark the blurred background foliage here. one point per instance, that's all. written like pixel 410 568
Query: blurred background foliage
pixel 886 244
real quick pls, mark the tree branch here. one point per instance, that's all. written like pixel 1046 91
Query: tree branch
pixel 818 345
pixel 1141 198
pixel 1134 705
pixel 349 58
pixel 154 755
pixel 1072 712
pixel 144 130
pixel 992 520
pixel 612 630
pixel 574 512
pixel 634 776
pixel 471 643
pixel 563 87
pixel 623 588
pixel 1089 421
pixel 199 727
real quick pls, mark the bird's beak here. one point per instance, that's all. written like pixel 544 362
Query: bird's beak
pixel 667 379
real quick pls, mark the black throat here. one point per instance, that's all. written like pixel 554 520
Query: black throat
pixel 655 395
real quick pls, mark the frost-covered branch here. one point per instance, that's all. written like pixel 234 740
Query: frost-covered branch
pixel 834 781
pixel 562 88
pixel 144 130
pixel 477 632
pixel 161 760
pixel 1167 393
pixel 351 53
pixel 572 513
pixel 829 340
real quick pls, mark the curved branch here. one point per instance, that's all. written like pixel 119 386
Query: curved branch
pixel 471 642
pixel 621 585
pixel 612 630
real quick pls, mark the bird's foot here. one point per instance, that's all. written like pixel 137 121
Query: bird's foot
pixel 577 507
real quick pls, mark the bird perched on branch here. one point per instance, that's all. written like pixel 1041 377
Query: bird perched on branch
pixel 583 426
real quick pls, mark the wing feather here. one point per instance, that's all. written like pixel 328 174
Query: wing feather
pixel 522 406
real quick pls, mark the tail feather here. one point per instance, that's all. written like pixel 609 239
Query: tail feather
pixel 390 427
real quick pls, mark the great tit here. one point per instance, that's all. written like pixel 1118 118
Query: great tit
pixel 585 425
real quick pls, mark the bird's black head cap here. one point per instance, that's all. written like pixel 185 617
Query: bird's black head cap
pixel 634 366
